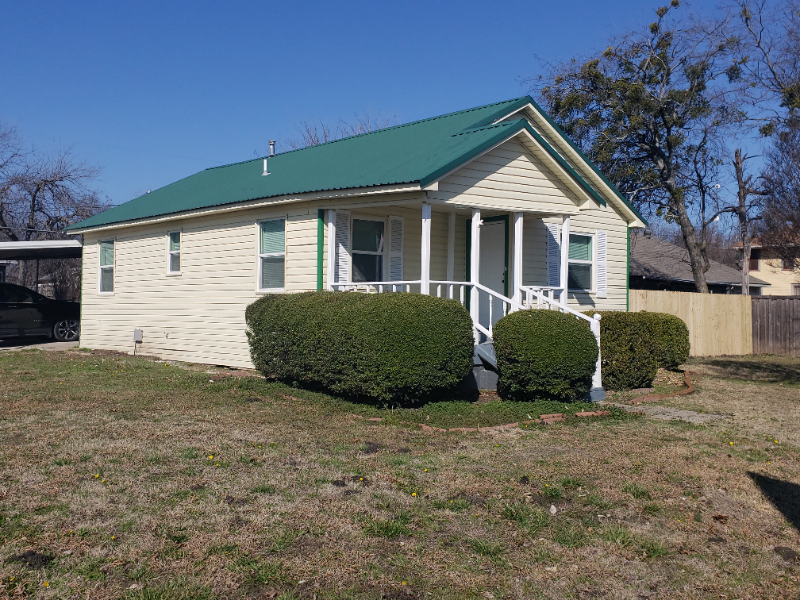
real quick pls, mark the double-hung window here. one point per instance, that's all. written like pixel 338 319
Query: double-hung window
pixel 107 267
pixel 368 249
pixel 579 271
pixel 174 252
pixel 272 254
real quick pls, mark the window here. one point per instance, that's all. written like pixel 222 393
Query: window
pixel 107 267
pixel 755 257
pixel 787 264
pixel 174 252
pixel 796 289
pixel 272 254
pixel 579 268
pixel 367 250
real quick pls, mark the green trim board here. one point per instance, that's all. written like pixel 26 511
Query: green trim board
pixel 417 153
pixel 468 240
pixel 320 245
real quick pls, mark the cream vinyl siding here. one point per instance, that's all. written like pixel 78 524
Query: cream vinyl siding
pixel 412 239
pixel 507 178
pixel 587 222
pixel 199 316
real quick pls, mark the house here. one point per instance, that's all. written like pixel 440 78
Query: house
pixel 783 275
pixel 492 206
pixel 658 265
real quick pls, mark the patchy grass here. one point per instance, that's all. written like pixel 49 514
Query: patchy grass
pixel 122 477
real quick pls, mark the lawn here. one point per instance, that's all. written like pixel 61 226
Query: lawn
pixel 124 477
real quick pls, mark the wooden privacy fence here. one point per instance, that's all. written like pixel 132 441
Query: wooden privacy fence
pixel 776 325
pixel 718 323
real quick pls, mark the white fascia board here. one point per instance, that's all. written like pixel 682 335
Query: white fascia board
pixel 258 203
pixel 555 138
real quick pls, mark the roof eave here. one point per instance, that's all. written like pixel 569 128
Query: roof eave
pixel 253 203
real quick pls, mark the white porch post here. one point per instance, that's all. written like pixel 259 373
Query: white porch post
pixel 475 267
pixel 451 246
pixel 425 270
pixel 517 266
pixel 597 392
pixel 564 258
pixel 331 248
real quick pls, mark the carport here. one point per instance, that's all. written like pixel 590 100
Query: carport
pixel 39 250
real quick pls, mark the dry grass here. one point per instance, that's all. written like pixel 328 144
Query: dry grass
pixel 145 480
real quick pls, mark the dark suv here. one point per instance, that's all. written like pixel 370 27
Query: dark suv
pixel 23 313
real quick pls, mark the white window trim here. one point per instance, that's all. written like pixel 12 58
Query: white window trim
pixel 385 254
pixel 179 252
pixel 100 268
pixel 592 262
pixel 259 256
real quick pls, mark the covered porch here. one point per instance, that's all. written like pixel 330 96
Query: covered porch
pixel 491 261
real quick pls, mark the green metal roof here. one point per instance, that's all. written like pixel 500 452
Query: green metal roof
pixel 418 152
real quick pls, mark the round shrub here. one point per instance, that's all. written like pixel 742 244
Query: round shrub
pixel 385 347
pixel 672 339
pixel 544 354
pixel 628 350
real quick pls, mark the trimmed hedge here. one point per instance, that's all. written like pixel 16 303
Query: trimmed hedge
pixel 672 339
pixel 544 354
pixel 385 347
pixel 628 345
pixel 635 344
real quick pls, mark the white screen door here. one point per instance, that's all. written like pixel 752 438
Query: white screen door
pixel 492 268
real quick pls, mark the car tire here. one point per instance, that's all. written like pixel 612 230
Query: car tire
pixel 67 330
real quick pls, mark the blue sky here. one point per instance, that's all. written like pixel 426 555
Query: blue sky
pixel 154 91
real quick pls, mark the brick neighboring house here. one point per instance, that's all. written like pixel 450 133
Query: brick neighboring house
pixel 659 265
pixel 783 276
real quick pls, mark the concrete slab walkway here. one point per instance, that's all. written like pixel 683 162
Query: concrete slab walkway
pixel 16 344
pixel 663 413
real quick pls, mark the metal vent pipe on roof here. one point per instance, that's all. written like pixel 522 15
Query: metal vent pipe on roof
pixel 272 147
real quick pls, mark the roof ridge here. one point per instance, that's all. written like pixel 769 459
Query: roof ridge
pixel 383 130
pixel 487 127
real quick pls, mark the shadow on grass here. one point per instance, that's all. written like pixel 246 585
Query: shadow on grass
pixel 784 495
pixel 779 370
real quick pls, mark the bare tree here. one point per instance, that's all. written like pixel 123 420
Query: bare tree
pixel 40 195
pixel 768 59
pixel 780 228
pixel 313 135
pixel 747 212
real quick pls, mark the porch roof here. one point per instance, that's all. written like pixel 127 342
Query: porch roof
pixel 415 153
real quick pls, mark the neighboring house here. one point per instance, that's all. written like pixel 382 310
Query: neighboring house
pixel 782 275
pixel 659 265
pixel 493 206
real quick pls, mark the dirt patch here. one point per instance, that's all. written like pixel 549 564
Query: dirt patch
pixel 32 559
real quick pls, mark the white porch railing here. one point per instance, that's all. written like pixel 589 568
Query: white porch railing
pixel 533 297
pixel 543 296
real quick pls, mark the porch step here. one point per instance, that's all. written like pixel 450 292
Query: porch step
pixel 485 352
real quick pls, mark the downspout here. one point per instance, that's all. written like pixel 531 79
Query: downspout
pixel 628 273
pixel 320 245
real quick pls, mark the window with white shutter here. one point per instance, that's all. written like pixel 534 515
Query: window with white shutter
pixel 342 265
pixel 553 254
pixel 579 268
pixel 601 278
pixel 395 248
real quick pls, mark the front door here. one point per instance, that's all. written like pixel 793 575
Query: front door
pixel 492 268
